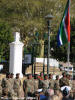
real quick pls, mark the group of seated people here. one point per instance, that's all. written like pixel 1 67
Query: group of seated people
pixel 38 87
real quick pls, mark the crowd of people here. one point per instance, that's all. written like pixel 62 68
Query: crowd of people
pixel 40 87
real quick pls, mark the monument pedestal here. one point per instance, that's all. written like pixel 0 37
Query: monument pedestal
pixel 16 49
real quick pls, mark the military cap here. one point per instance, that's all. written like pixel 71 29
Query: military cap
pixel 17 74
pixel 12 74
pixel 7 73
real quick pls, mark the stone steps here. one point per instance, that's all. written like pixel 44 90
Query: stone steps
pixel 39 68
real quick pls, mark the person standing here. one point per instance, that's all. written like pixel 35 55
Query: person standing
pixel 28 86
pixel 12 84
pixel 56 85
pixel 45 83
pixel 12 79
pixel 36 83
pixel 17 85
pixel 51 81
pixel 64 81
pixel 6 85
pixel 40 78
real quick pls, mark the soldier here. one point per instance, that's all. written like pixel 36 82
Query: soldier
pixel 68 76
pixel 45 83
pixel 64 81
pixel 36 83
pixel 56 85
pixel 51 81
pixel 12 84
pixel 17 85
pixel 4 80
pixel 28 86
pixel 11 80
pixel 12 75
pixel 6 85
pixel 41 77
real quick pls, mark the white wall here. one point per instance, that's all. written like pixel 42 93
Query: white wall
pixel 52 62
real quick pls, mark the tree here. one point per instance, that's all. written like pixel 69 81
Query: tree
pixel 72 55
pixel 5 38
pixel 60 53
pixel 28 16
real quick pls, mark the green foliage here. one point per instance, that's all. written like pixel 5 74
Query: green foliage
pixel 5 38
pixel 60 53
pixel 28 16
pixel 72 40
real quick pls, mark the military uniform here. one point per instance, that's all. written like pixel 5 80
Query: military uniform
pixel 12 82
pixel 5 86
pixel 12 94
pixel 51 83
pixel 56 85
pixel 17 87
pixel 4 82
pixel 40 81
pixel 28 86
pixel 40 84
pixel 64 82
pixel 45 84
pixel 36 84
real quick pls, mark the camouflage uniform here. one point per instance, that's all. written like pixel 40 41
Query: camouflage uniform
pixel 64 82
pixel 17 87
pixel 12 82
pixel 36 85
pixel 51 83
pixel 8 84
pixel 40 78
pixel 56 85
pixel 68 76
pixel 5 86
pixel 12 94
pixel 40 84
pixel 45 84
pixel 4 82
pixel 28 86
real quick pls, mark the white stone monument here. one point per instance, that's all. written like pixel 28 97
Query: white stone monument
pixel 16 49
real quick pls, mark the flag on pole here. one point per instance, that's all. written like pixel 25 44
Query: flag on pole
pixel 64 29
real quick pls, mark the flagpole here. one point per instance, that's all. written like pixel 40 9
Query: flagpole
pixel 64 31
pixel 68 52
pixel 68 55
